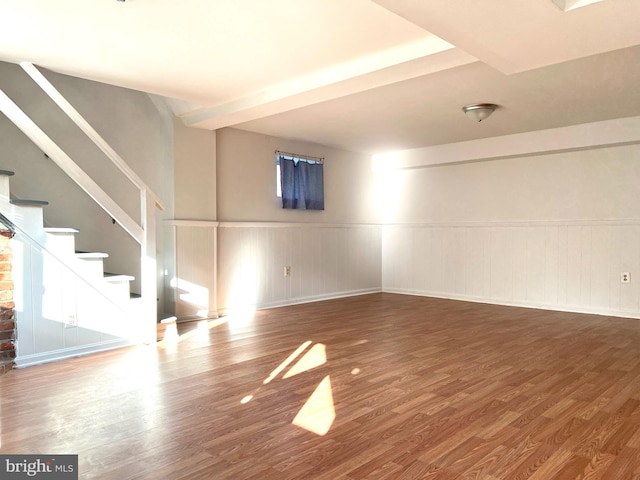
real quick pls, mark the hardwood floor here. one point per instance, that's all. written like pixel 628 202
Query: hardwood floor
pixel 380 386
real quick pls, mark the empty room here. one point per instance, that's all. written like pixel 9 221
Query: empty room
pixel 320 239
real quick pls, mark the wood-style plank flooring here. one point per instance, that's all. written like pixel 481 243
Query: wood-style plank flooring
pixel 379 386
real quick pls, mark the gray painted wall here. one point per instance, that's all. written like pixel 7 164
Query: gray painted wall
pixel 195 173
pixel 246 181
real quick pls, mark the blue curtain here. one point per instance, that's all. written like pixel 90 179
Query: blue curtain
pixel 302 184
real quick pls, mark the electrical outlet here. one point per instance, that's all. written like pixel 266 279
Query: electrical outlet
pixel 625 277
pixel 287 271
pixel 71 321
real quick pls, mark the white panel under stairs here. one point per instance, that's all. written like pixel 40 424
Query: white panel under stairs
pixel 66 305
pixel 5 190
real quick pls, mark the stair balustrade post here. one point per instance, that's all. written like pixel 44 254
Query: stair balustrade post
pixel 148 267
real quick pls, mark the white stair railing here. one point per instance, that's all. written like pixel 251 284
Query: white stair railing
pixel 89 131
pixel 60 158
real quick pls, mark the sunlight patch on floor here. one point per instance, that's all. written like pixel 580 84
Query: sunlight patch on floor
pixel 313 358
pixel 241 316
pixel 286 362
pixel 172 337
pixel 318 413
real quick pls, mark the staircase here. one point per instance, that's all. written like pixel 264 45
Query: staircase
pixel 66 304
pixel 61 242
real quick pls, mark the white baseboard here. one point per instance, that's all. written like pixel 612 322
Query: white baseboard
pixel 55 355
pixel 508 303
pixel 300 300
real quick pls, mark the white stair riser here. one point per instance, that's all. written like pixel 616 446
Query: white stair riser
pixel 26 217
pixel 62 245
pixel 5 188
pixel 91 268
pixel 119 292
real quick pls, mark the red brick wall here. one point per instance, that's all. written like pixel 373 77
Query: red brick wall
pixel 7 315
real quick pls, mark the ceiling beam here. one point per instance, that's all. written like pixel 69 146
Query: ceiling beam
pixel 408 61
pixel 606 133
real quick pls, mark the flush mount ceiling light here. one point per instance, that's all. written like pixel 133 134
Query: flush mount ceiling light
pixel 479 111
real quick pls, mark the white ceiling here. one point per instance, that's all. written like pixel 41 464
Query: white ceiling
pixel 361 75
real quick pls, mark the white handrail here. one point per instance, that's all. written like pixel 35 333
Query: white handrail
pixel 79 120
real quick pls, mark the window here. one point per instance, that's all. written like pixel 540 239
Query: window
pixel 300 181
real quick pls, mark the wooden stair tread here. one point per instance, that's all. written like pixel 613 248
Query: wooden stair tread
pixel 91 255
pixel 28 203
pixel 61 230
pixel 113 278
pixel 166 317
